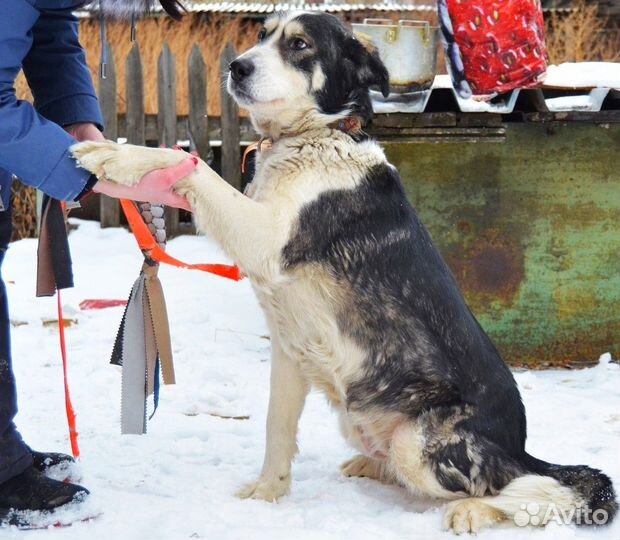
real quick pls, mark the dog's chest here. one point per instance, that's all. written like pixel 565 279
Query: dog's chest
pixel 302 305
pixel 296 171
pixel 302 317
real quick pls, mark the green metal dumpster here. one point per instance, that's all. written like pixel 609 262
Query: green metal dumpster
pixel 526 211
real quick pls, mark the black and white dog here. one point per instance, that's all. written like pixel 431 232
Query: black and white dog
pixel 359 302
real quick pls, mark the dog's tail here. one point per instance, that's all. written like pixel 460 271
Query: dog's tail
pixel 593 490
pixel 562 493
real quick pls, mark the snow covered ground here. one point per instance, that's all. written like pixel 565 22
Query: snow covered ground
pixel 178 481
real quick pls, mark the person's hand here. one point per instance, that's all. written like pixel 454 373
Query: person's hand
pixel 154 187
pixel 85 131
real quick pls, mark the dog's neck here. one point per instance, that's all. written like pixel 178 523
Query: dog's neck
pixel 274 128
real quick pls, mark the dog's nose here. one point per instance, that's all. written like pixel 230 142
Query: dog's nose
pixel 241 69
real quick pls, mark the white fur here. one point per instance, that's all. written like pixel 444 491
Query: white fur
pixel 470 516
pixel 532 488
pixel 531 492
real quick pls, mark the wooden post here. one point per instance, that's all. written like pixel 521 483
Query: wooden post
pixel 231 149
pixel 197 121
pixel 109 209
pixel 134 86
pixel 167 118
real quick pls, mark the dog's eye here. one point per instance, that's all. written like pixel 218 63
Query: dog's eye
pixel 262 34
pixel 299 44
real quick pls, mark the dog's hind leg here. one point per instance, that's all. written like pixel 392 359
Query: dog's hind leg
pixel 366 467
pixel 286 401
pixel 435 456
pixel 525 501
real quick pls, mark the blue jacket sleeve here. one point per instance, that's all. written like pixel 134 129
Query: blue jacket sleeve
pixel 56 70
pixel 33 146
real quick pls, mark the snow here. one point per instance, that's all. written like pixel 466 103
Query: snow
pixel 583 75
pixel 591 102
pixel 178 481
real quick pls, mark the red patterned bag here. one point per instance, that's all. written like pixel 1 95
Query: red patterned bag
pixel 493 46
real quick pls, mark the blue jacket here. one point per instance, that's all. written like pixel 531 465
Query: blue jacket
pixel 41 36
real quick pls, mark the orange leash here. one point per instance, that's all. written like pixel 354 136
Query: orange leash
pixel 147 243
pixel 73 433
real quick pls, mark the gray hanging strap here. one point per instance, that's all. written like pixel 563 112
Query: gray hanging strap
pixel 133 386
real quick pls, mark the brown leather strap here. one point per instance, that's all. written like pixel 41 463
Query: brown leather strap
pixel 54 268
pixel 161 327
pixel 46 284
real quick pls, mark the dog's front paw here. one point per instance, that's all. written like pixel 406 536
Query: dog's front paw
pixel 123 163
pixel 267 489
pixel 96 156
pixel 470 516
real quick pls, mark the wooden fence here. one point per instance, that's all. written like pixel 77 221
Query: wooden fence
pixel 137 128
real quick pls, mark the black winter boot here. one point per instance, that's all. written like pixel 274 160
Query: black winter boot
pixel 42 461
pixel 32 490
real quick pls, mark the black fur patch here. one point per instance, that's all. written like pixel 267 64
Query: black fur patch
pixel 426 349
pixel 594 486
pixel 349 68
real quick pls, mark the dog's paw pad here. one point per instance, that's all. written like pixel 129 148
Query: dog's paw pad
pixel 470 516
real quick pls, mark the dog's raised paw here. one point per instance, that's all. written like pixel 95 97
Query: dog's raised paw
pixel 123 163
pixel 470 516
pixel 267 489
pixel 95 156
pixel 363 467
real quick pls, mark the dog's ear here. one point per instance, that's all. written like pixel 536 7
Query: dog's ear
pixel 370 70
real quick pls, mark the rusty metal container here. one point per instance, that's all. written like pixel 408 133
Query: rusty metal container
pixel 408 50
pixel 530 226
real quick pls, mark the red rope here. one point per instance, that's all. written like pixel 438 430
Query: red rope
pixel 73 433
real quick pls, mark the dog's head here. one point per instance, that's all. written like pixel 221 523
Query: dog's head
pixel 306 63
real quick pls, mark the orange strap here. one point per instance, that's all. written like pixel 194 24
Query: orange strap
pixel 255 146
pixel 147 243
pixel 249 149
pixel 73 433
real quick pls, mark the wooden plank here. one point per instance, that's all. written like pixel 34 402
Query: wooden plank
pixel 483 119
pixel 109 209
pixel 198 125
pixel 231 151
pixel 167 119
pixel 197 122
pixel 404 120
pixel 134 95
pixel 247 132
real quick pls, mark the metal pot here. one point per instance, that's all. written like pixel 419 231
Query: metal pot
pixel 408 50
